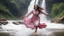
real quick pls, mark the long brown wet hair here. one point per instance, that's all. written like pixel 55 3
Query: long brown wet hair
pixel 38 8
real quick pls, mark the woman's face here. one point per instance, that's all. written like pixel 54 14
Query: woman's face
pixel 35 7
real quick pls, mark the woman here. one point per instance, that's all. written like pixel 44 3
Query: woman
pixel 34 21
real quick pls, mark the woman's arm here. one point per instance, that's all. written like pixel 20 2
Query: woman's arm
pixel 45 13
pixel 29 14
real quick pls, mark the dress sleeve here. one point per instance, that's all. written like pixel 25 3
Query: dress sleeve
pixel 28 14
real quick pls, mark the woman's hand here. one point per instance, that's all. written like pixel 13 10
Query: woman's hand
pixel 22 17
pixel 48 15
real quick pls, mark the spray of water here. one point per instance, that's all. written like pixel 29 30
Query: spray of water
pixel 31 6
pixel 42 16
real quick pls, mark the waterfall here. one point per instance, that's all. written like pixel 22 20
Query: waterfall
pixel 43 5
pixel 43 18
pixel 30 8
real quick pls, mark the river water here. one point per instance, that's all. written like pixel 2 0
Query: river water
pixel 21 30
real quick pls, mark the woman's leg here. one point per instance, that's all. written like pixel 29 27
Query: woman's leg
pixel 36 29
pixel 37 22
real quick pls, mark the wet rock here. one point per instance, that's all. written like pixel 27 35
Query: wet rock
pixel 59 20
pixel 17 23
pixel 59 33
pixel 3 21
pixel 36 34
pixel 4 34
pixel 20 22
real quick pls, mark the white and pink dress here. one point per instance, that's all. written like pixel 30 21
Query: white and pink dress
pixel 34 21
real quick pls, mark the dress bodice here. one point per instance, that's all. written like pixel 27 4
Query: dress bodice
pixel 36 13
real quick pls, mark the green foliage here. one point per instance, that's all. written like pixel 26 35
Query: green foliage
pixel 5 13
pixel 10 9
pixel 57 10
pixel 4 9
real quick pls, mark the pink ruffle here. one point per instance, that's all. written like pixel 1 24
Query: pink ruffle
pixel 28 21
pixel 42 25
